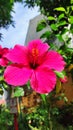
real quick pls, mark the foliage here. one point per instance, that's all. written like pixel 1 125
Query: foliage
pixel 6 7
pixel 65 116
pixel 47 116
pixel 48 7
pixel 59 36
pixel 18 92
pixel 6 119
pixel 61 28
pixel 23 122
pixel 6 10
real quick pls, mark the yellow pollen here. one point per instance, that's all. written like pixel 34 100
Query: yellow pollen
pixel 35 52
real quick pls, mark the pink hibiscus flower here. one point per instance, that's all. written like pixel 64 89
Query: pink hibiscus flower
pixel 34 63
pixel 3 59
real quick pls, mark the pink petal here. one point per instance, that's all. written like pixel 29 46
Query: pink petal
pixel 43 80
pixel 17 76
pixel 39 45
pixel 18 55
pixel 54 61
pixel 5 51
pixel 3 62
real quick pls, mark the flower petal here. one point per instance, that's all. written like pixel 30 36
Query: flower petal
pixel 54 61
pixel 39 45
pixel 3 61
pixel 5 51
pixel 43 80
pixel 17 76
pixel 18 54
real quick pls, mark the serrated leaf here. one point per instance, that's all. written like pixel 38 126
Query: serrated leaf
pixel 41 25
pixel 60 9
pixel 18 92
pixel 51 18
pixel 54 27
pixel 46 34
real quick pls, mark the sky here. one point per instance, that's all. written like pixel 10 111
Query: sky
pixel 21 17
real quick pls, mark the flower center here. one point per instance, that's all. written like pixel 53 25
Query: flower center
pixel 34 63
pixel 33 66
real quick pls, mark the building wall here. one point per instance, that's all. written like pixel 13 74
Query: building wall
pixel 31 33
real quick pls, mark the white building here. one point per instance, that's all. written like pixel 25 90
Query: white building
pixel 31 33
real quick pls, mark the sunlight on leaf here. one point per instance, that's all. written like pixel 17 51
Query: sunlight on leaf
pixel 51 18
pixel 18 92
pixel 60 74
pixel 60 9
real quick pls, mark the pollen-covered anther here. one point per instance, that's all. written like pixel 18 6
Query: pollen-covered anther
pixel 35 52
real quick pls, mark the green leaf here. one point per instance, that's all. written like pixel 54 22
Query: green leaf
pixel 72 8
pixel 54 27
pixel 60 9
pixel 28 84
pixel 1 78
pixel 5 86
pixel 53 46
pixel 61 23
pixel 60 74
pixel 11 1
pixel 71 1
pixel 64 31
pixel 43 96
pixel 18 92
pixel 60 16
pixel 70 19
pixel 59 36
pixel 51 18
pixel 46 34
pixel 1 91
pixel 70 50
pixel 71 28
pixel 41 25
